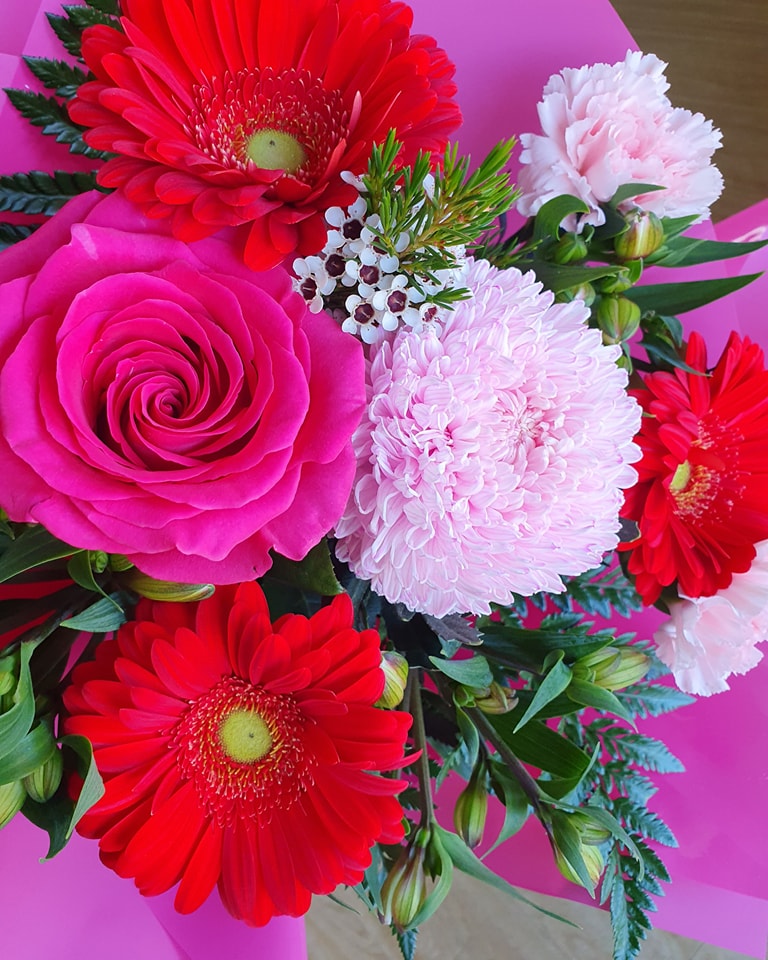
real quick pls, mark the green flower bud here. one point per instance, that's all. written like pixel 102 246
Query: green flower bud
pixel 584 292
pixel 618 284
pixel 7 682
pixel 496 699
pixel 12 797
pixel 404 892
pixel 471 810
pixel 42 783
pixel 618 318
pixel 613 668
pixel 593 860
pixel 395 670
pixel 99 560
pixel 643 237
pixel 119 563
pixel 570 248
pixel 163 590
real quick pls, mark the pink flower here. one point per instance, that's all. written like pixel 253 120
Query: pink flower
pixel 491 460
pixel 604 126
pixel 709 638
pixel 160 400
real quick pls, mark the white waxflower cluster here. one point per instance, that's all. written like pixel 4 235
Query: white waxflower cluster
pixel 381 296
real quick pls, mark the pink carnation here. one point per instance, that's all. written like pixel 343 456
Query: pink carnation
pixel 160 400
pixel 491 460
pixel 709 638
pixel 609 125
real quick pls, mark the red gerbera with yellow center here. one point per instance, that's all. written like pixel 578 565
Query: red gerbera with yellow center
pixel 240 752
pixel 246 112
pixel 700 500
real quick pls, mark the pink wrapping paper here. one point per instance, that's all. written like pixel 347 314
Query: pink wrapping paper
pixel 717 808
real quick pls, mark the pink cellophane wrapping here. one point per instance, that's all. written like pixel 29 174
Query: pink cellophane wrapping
pixel 74 909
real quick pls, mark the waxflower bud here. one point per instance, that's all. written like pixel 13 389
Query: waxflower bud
pixel 164 590
pixel 584 292
pixel 618 318
pixel 613 668
pixel 471 810
pixel 643 237
pixel 12 797
pixel 404 892
pixel 42 783
pixel 496 699
pixel 570 248
pixel 395 669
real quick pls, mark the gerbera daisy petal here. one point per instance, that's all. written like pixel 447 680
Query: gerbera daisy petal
pixel 248 739
pixel 283 95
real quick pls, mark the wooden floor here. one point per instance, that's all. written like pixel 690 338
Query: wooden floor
pixel 718 56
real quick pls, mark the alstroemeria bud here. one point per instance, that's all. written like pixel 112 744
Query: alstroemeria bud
pixel 613 668
pixel 8 681
pixel 570 248
pixel 395 669
pixel 618 318
pixel 618 284
pixel 644 236
pixel 42 783
pixel 12 797
pixel 404 892
pixel 164 590
pixel 583 291
pixel 119 563
pixel 471 810
pixel 593 861
pixel 496 699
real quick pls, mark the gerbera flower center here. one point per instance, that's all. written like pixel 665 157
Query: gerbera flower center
pixel 270 120
pixel 244 749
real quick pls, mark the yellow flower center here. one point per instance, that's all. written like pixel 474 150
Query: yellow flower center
pixel 275 150
pixel 244 736
pixel 680 477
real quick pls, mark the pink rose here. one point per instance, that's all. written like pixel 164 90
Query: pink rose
pixel 159 400
pixel 604 126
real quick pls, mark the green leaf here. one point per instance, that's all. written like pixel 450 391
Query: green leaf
pixel 407 942
pixel 688 251
pixel 653 699
pixel 644 822
pixel 314 573
pixel 66 31
pixel 50 115
pixel 649 753
pixel 28 754
pixel 469 735
pixel 568 841
pixel 660 350
pixel 677 298
pixel 629 190
pixel 16 723
pixel 33 547
pixel 557 277
pixel 541 747
pixel 466 861
pixel 93 787
pixel 591 695
pixel 80 570
pixel 88 16
pixel 516 807
pixel 11 233
pixel 529 648
pixel 554 683
pixel 472 672
pixel 552 214
pixel 444 863
pixel 104 616
pixel 57 75
pixel 36 192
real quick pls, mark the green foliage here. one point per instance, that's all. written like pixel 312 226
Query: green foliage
pixel 652 699
pixel 51 115
pixel 678 297
pixel 314 573
pixel 600 592
pixel 38 193
pixel 33 547
pixel 11 233
pixel 57 75
pixel 406 941
pixel 69 28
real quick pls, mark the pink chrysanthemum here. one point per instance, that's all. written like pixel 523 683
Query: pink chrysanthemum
pixel 604 126
pixel 491 460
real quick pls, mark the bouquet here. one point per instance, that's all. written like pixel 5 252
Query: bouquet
pixel 330 452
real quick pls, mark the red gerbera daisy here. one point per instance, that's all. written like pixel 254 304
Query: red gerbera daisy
pixel 245 112
pixel 700 500
pixel 240 752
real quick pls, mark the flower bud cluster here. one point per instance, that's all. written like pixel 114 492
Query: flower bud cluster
pixel 369 291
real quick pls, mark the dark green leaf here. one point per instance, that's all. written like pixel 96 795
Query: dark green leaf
pixel 314 573
pixel 42 193
pixel 93 787
pixel 66 31
pixel 629 190
pixel 407 943
pixel 541 747
pixel 516 807
pixel 653 699
pixel 688 251
pixel 104 616
pixel 591 695
pixel 33 547
pixel 554 683
pixel 50 115
pixel 552 214
pixel 674 226
pixel 466 861
pixel 469 735
pixel 649 753
pixel 660 350
pixel 11 233
pixel 677 298
pixel 557 277
pixel 16 722
pixel 57 75
pixel 106 6
pixel 27 755
pixel 472 672
pixel 643 822
pixel 88 16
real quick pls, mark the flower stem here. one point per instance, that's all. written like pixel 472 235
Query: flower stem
pixel 420 741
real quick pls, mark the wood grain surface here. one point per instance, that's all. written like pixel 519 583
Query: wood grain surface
pixel 718 65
